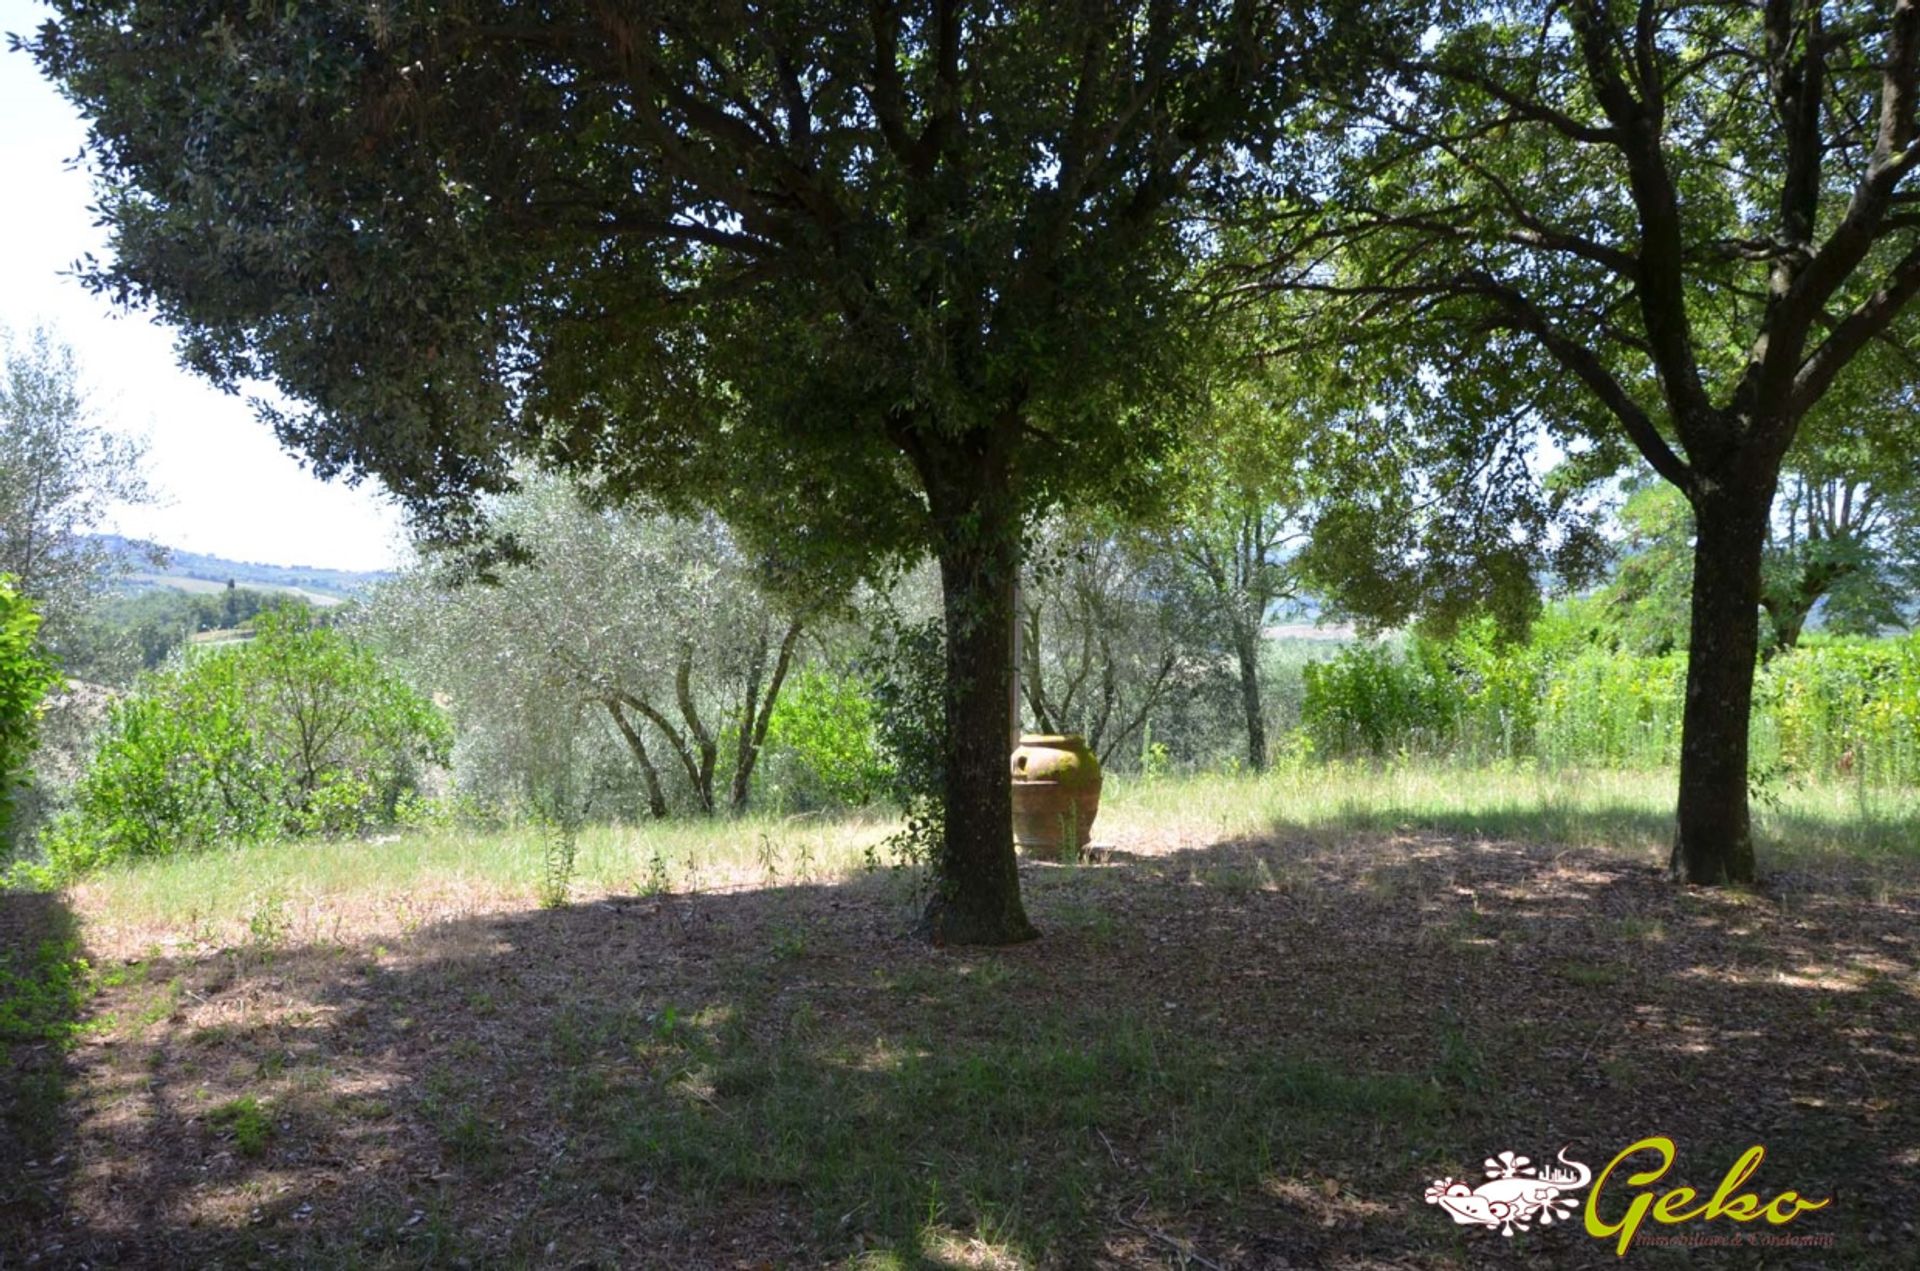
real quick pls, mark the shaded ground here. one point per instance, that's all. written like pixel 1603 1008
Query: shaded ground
pixel 1251 1054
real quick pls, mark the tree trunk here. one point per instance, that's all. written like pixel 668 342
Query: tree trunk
pixel 1714 839
pixel 744 749
pixel 976 897
pixel 758 714
pixel 656 797
pixel 1246 643
pixel 708 748
pixel 1789 615
pixel 1790 606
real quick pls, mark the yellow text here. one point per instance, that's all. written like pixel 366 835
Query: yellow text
pixel 1678 1204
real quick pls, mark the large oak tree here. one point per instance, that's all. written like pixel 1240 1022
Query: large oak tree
pixel 1644 224
pixel 910 267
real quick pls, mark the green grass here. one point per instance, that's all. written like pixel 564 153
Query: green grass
pixel 1011 1131
pixel 41 992
pixel 1622 811
pixel 277 892
pixel 246 1121
pixel 45 984
pixel 269 893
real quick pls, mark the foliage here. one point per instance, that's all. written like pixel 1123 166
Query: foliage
pixel 1663 230
pixel 26 675
pixel 827 724
pixel 1846 532
pixel 1369 700
pixel 1648 598
pixel 1843 542
pixel 41 994
pixel 45 983
pixel 1830 708
pixel 1108 639
pixel 908 665
pixel 121 635
pixel 1243 494
pixel 1605 152
pixel 60 473
pixel 650 649
pixel 920 269
pixel 1847 708
pixel 299 731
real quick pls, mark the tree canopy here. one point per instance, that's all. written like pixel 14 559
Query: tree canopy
pixel 661 626
pixel 60 473
pixel 1662 229
pixel 888 278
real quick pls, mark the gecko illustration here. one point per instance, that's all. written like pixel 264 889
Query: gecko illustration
pixel 1515 1195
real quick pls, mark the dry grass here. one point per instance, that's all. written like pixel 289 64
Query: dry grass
pixel 1254 1031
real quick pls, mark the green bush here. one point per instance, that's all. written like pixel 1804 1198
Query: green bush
pixel 1831 707
pixel 25 677
pixel 825 723
pixel 1843 707
pixel 1374 700
pixel 298 731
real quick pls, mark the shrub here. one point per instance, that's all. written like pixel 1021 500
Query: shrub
pixel 1373 700
pixel 298 731
pixel 25 677
pixel 1831 707
pixel 1843 707
pixel 825 723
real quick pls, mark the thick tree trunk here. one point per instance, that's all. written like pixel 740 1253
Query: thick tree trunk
pixel 1714 839
pixel 1247 645
pixel 1790 606
pixel 976 898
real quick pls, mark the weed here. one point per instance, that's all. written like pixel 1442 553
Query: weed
pixel 269 925
pixel 789 942
pixel 41 1002
pixel 560 848
pixel 657 883
pixel 246 1120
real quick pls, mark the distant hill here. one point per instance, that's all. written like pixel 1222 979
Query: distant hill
pixel 198 572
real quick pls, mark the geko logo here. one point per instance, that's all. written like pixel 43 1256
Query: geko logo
pixel 1518 1194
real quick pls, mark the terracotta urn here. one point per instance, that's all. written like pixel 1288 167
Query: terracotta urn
pixel 1056 794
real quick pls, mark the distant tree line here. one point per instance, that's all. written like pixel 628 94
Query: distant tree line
pixel 129 632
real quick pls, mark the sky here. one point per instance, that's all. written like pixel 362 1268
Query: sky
pixel 226 486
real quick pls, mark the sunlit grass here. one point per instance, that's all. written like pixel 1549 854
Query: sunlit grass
pixel 1630 812
pixel 307 890
pixel 314 888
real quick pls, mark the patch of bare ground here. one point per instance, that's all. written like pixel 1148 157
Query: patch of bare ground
pixel 1254 1054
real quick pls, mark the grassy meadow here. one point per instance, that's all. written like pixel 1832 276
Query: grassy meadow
pixel 1265 1015
pixel 315 889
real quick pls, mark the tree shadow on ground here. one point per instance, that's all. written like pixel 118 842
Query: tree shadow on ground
pixel 42 986
pixel 1260 1052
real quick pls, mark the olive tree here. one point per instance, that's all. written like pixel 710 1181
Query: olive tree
pixel 60 475
pixel 1243 493
pixel 661 626
pixel 1105 637
pixel 25 678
